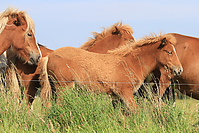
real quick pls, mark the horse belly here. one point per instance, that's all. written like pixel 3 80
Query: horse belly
pixel 189 84
pixel 189 79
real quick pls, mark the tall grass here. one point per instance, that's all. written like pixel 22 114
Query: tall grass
pixel 84 111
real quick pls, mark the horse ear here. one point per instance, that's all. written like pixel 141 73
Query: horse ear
pixel 163 43
pixel 117 32
pixel 16 22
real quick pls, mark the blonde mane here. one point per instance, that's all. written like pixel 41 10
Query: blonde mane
pixel 106 32
pixel 9 13
pixel 126 49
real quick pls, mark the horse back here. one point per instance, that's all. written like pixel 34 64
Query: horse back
pixel 72 64
pixel 45 51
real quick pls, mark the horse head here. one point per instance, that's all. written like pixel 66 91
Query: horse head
pixel 17 33
pixel 125 32
pixel 168 57
pixel 110 38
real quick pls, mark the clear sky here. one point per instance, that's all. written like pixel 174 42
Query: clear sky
pixel 60 23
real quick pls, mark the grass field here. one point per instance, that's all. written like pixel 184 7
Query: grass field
pixel 85 111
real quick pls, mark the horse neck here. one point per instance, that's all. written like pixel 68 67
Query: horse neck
pixel 108 43
pixel 4 45
pixel 45 51
pixel 142 60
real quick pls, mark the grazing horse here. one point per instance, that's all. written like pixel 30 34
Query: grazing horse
pixel 187 49
pixel 17 32
pixel 119 73
pixel 110 38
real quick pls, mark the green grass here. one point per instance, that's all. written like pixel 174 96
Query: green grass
pixel 85 111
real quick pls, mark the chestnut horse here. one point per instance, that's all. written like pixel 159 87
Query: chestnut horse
pixel 119 73
pixel 23 74
pixel 17 32
pixel 187 49
pixel 110 38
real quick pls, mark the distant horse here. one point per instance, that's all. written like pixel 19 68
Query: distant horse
pixel 109 38
pixel 119 73
pixel 187 49
pixel 17 32
pixel 116 35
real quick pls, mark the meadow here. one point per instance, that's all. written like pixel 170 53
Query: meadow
pixel 85 111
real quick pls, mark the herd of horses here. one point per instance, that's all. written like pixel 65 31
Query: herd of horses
pixel 112 62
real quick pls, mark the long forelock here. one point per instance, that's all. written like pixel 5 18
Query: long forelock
pixel 105 32
pixel 126 49
pixel 9 12
pixel 29 21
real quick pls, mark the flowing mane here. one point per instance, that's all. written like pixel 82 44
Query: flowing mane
pixel 106 32
pixel 10 13
pixel 126 49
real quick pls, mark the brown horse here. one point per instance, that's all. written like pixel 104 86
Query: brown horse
pixel 110 38
pixel 24 75
pixel 187 49
pixel 119 73
pixel 17 32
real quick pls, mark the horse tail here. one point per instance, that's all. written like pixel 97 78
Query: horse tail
pixel 13 80
pixel 46 91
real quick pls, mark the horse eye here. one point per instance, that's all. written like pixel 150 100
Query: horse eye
pixel 169 52
pixel 29 34
pixel 131 40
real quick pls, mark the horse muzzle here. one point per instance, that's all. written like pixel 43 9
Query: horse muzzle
pixel 177 70
pixel 34 59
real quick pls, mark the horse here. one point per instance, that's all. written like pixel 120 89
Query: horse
pixel 187 49
pixel 17 32
pixel 3 65
pixel 24 76
pixel 108 39
pixel 119 73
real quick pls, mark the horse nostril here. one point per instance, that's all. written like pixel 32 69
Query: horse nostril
pixel 180 71
pixel 38 58
pixel 32 60
pixel 175 73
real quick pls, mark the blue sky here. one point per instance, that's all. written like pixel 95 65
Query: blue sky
pixel 64 23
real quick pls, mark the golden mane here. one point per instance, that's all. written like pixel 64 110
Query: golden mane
pixel 106 32
pixel 9 12
pixel 126 49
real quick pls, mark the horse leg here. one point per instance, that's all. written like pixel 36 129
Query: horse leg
pixel 167 94
pixel 30 94
pixel 127 96
pixel 164 83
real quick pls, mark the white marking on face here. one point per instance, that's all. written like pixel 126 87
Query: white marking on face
pixel 38 49
pixel 176 53
pixel 177 57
